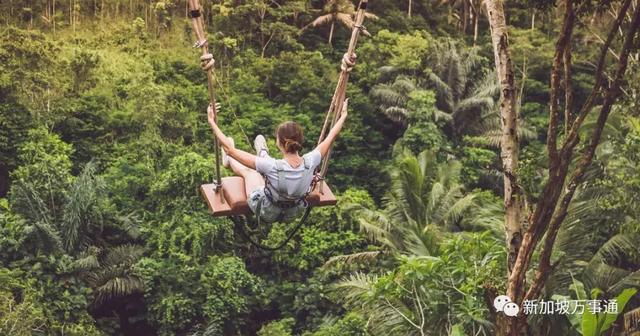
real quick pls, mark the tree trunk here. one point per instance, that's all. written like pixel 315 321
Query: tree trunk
pixel 509 120
pixel 53 18
pixel 465 16
pixel 409 11
pixel 333 25
pixel 476 14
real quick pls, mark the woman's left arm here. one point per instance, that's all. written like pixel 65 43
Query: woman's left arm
pixel 243 157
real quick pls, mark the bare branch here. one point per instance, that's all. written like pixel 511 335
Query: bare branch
pixel 571 139
pixel 561 50
pixel 585 161
pixel 568 87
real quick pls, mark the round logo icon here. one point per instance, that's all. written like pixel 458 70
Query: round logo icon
pixel 500 301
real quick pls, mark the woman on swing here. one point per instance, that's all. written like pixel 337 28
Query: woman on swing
pixel 278 186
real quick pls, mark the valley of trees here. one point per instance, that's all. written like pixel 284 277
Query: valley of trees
pixel 491 148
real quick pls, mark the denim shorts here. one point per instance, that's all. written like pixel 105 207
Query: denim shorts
pixel 269 212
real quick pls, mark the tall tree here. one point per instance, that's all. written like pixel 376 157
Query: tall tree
pixel 567 162
pixel 509 117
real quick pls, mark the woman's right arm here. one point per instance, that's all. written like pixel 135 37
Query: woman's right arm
pixel 325 145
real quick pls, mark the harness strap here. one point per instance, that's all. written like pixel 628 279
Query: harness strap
pixel 281 191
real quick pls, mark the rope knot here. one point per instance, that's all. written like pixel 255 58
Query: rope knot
pixel 348 62
pixel 207 62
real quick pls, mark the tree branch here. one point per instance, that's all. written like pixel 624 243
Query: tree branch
pixel 571 139
pixel 562 47
pixel 544 212
pixel 577 177
pixel 568 87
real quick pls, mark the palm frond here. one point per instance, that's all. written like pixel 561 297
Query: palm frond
pixel 396 114
pixel 47 236
pixel 86 262
pixel 345 19
pixel 444 93
pixel 387 96
pixel 79 213
pixel 356 287
pixel 353 258
pixel 403 85
pixel 118 287
pixel 461 206
pixel 472 105
pixel 123 255
pixel 320 21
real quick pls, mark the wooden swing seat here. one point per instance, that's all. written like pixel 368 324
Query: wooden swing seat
pixel 235 197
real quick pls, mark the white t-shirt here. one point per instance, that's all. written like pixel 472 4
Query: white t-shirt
pixel 297 179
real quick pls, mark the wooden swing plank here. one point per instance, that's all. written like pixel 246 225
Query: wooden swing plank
pixel 235 197
pixel 326 198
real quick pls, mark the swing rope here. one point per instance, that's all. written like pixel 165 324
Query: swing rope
pixel 207 63
pixel 337 102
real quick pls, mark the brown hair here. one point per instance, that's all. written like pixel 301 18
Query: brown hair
pixel 291 136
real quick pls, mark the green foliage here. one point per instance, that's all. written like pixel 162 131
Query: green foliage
pixel 14 233
pixel 28 67
pixel 425 197
pixel 181 293
pixel 45 172
pixel 18 318
pixel 50 300
pixel 229 288
pixel 182 178
pixel 418 294
pixel 316 246
pixel 404 52
pixel 593 323
pixel 352 324
pixel 278 328
pixel 475 162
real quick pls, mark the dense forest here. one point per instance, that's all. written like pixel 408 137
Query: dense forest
pixel 491 148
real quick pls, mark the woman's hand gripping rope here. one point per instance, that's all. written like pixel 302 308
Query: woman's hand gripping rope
pixel 212 112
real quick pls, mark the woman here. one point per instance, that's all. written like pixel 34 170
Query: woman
pixel 279 186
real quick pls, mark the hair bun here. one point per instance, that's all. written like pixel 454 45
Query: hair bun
pixel 291 145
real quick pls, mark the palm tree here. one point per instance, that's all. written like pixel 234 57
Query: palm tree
pixel 425 197
pixel 470 102
pixel 108 271
pixel 337 11
pixel 458 92
pixel 401 101
pixel 70 229
pixel 393 98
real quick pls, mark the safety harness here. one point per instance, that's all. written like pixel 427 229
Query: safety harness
pixel 279 196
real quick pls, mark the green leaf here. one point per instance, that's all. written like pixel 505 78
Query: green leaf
pixel 622 299
pixel 457 330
